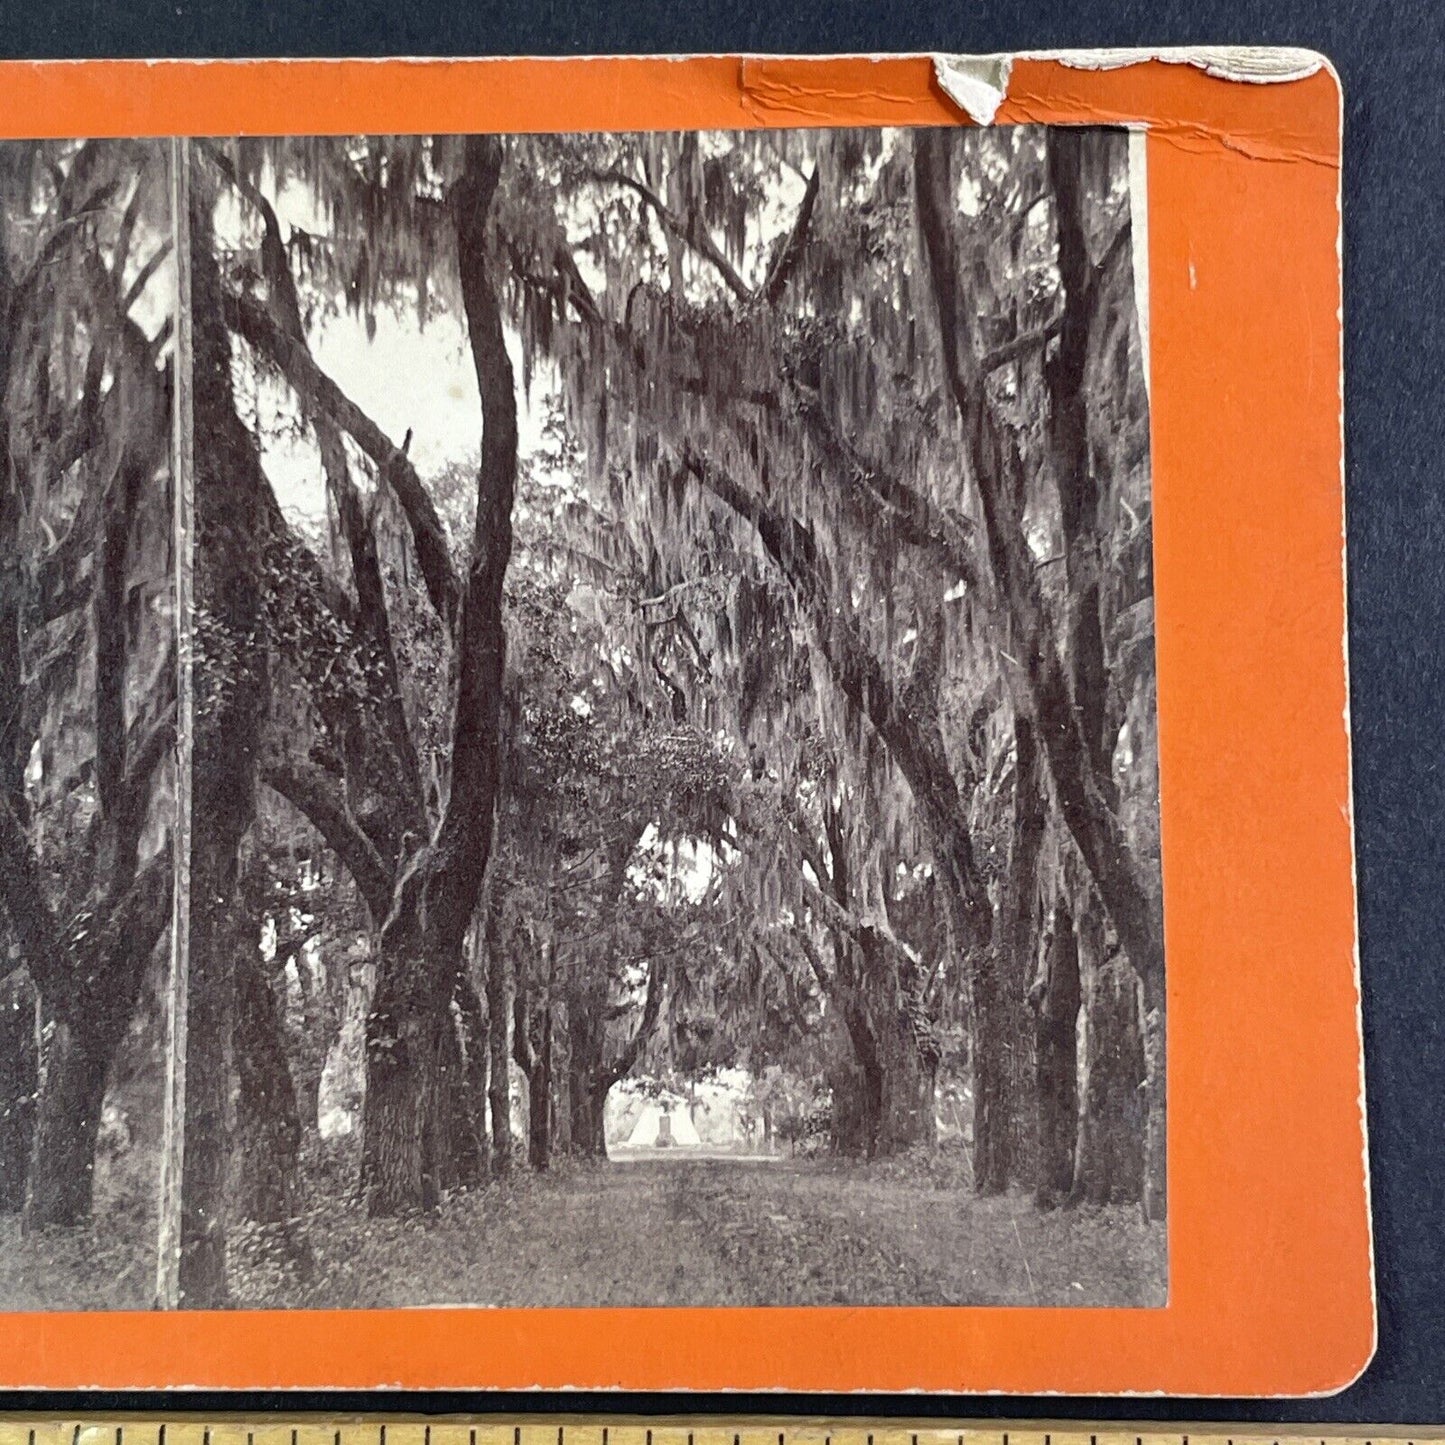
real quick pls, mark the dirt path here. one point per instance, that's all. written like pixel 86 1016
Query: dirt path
pixel 603 1236
pixel 662 1232
pixel 724 1232
pixel 854 1234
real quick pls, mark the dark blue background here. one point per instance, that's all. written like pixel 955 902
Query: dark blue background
pixel 1389 56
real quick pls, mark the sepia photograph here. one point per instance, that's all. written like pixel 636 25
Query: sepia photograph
pixel 668 808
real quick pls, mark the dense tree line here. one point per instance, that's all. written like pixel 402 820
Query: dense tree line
pixel 786 703
pixel 87 650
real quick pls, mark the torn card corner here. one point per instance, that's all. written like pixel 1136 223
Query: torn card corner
pixel 978 84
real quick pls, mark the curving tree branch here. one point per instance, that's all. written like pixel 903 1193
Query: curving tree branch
pixel 689 229
pixel 372 616
pixel 314 793
pixel 914 740
pixel 251 321
pixel 794 246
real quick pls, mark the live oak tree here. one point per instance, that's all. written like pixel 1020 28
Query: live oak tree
pixel 1065 678
pixel 731 396
pixel 86 637
pixel 423 883
pixel 707 342
pixel 877 597
pixel 768 683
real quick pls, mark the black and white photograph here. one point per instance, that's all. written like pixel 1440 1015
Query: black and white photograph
pixel 88 699
pixel 669 789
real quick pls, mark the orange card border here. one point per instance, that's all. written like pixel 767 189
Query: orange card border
pixel 1271 1288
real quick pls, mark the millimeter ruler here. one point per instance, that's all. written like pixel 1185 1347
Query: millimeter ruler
pixel 277 1429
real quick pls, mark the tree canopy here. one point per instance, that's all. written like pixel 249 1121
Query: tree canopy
pixel 742 659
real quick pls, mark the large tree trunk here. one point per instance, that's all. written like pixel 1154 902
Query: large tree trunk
pixel 1109 1167
pixel 857 1087
pixel 589 1133
pixel 907 1119
pixel 471 1147
pixel 539 1101
pixel 422 943
pixel 561 1066
pixel 19 1087
pixel 1056 997
pixel 534 1058
pixel 268 1121
pixel 994 1134
pixel 883 1096
pixel 62 1172
pixel 89 1024
pixel 586 1089
pixel 451 1126
pixel 1006 1142
pixel 405 1049
pixel 230 706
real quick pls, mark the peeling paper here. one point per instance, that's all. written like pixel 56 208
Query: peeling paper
pixel 977 84
pixel 1253 64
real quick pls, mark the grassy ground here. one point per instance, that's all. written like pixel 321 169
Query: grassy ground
pixel 696 1232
